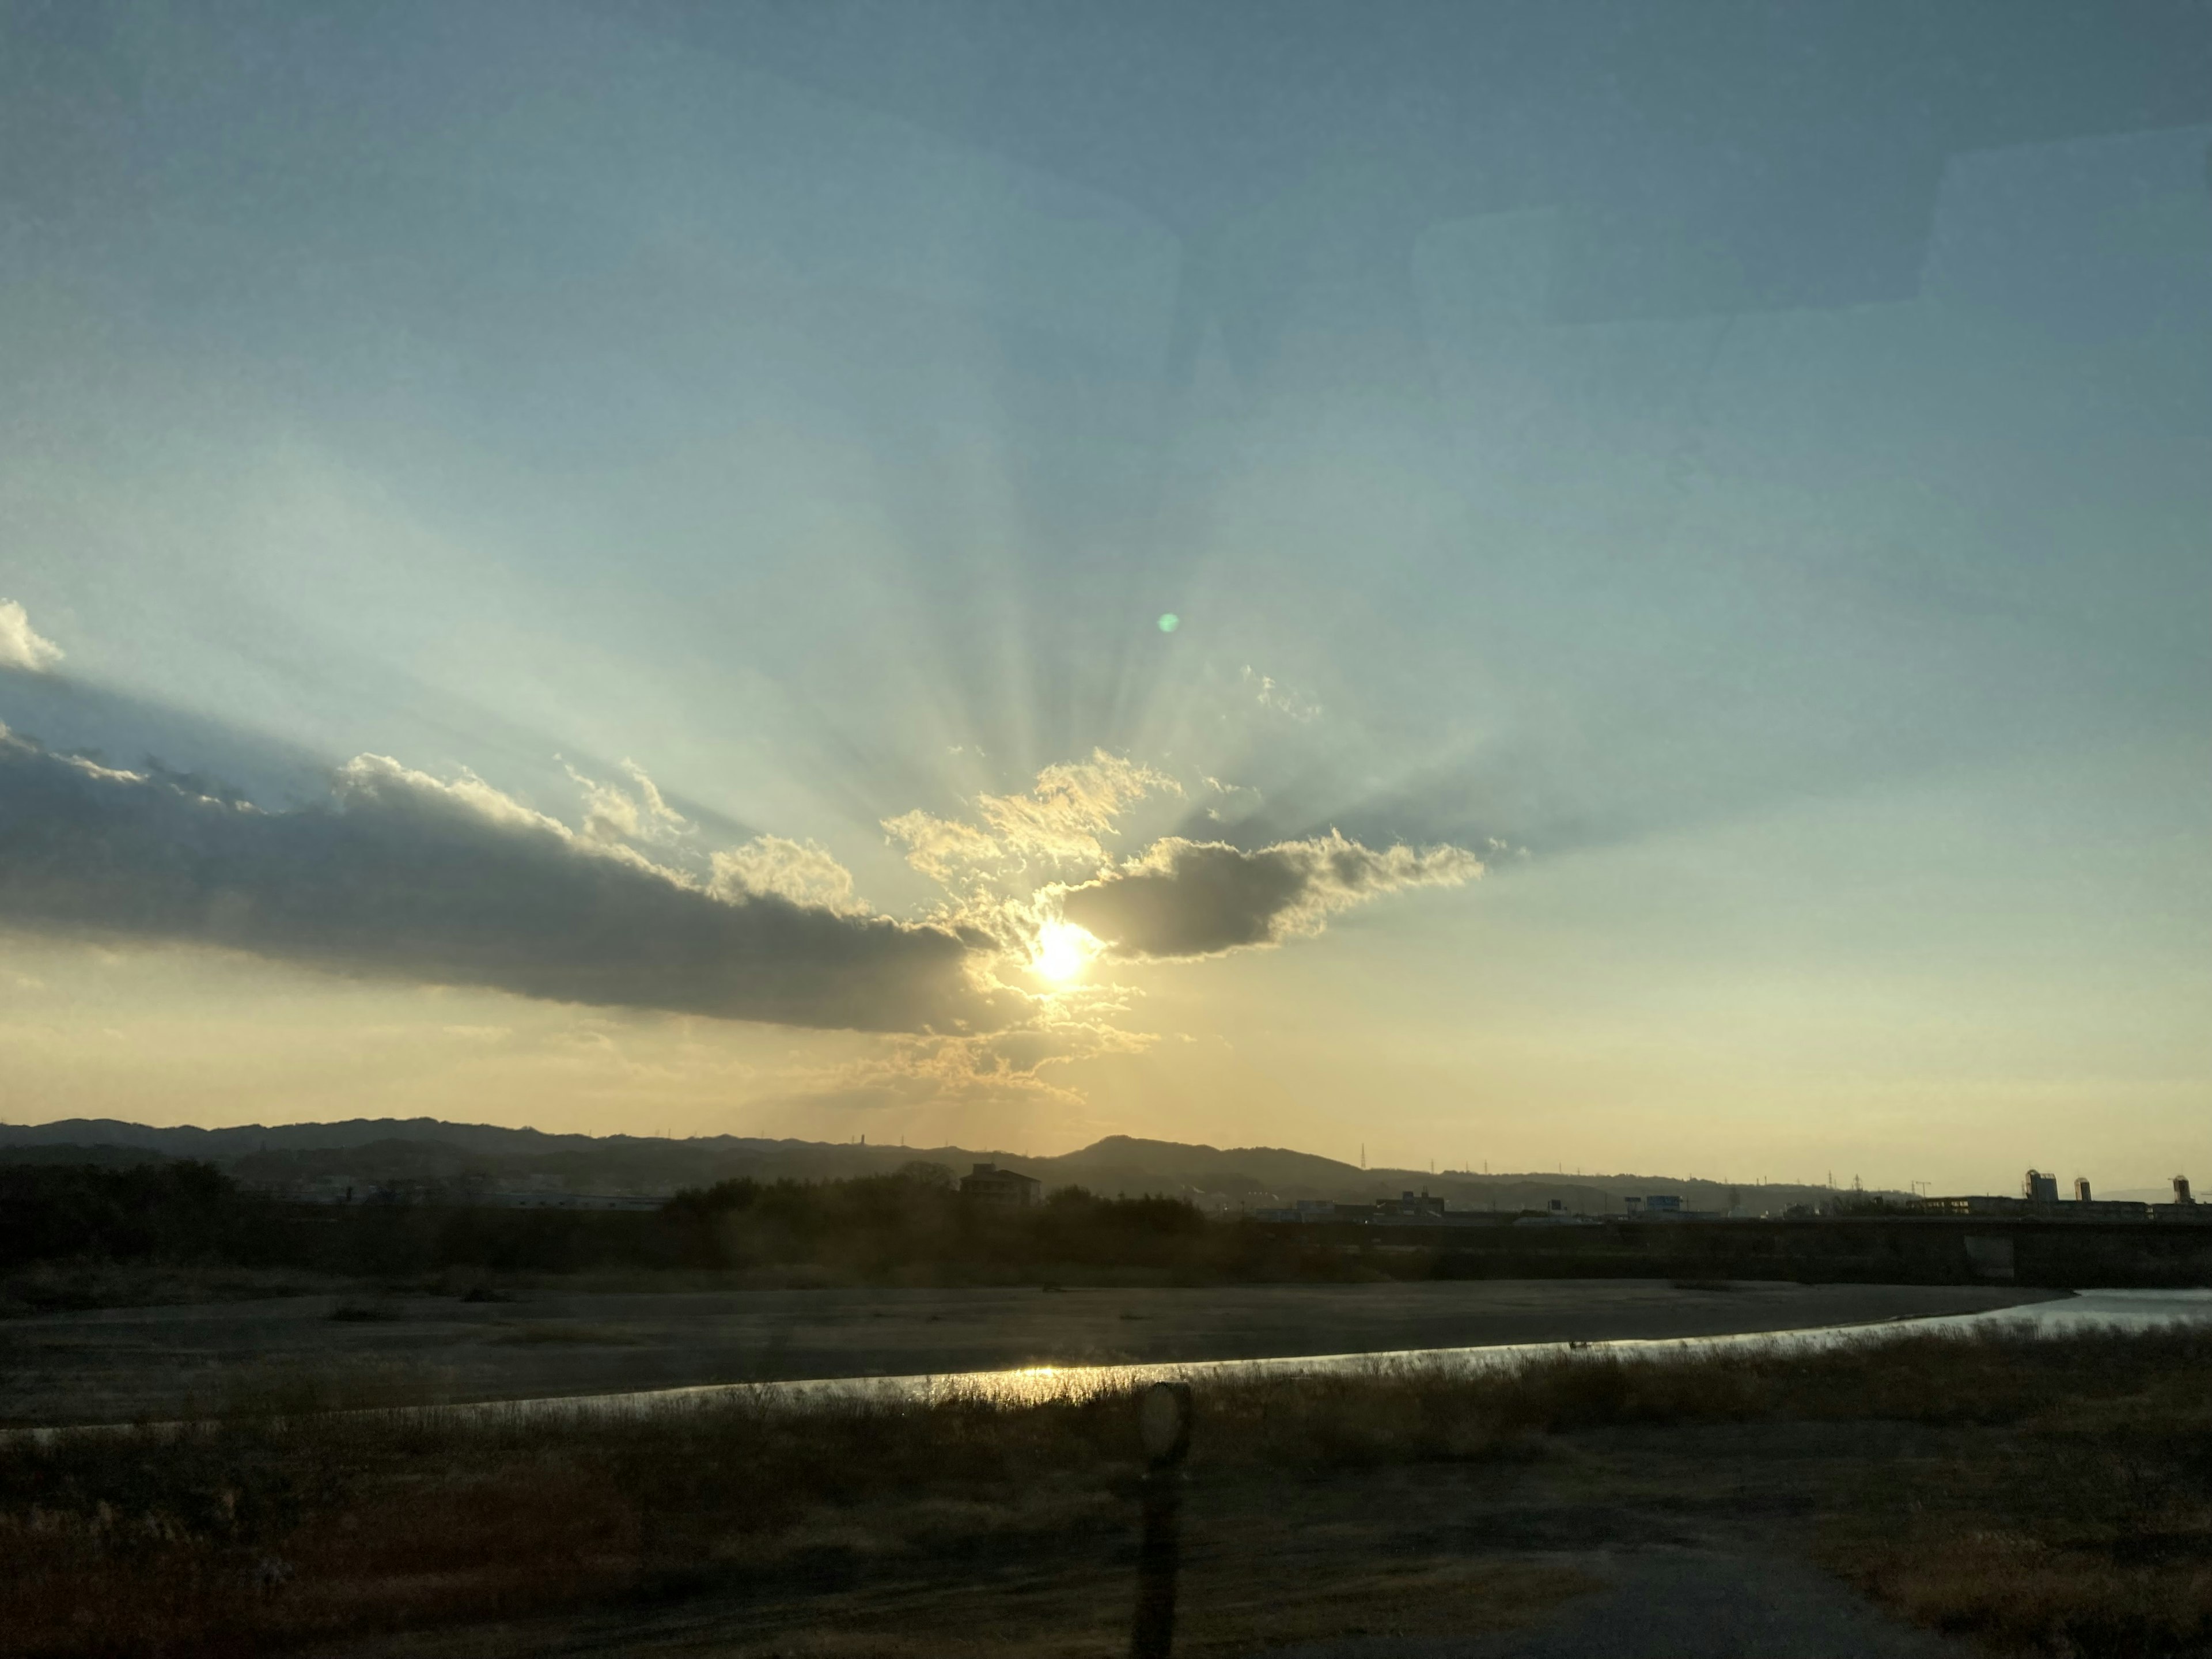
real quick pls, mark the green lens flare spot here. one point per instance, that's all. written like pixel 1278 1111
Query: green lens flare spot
pixel 1169 623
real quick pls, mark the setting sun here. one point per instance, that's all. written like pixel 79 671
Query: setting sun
pixel 1063 951
pixel 722 686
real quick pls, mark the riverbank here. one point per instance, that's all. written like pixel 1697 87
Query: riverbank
pixel 357 1346
pixel 2037 1495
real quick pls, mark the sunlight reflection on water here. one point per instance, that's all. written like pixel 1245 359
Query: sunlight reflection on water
pixel 1032 1385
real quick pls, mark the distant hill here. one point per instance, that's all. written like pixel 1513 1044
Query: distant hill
pixel 301 1156
pixel 104 1157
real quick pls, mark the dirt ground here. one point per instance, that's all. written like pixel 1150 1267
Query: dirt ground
pixel 1620 1544
pixel 124 1364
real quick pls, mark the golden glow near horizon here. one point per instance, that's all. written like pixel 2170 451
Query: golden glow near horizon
pixel 1820 825
pixel 1064 951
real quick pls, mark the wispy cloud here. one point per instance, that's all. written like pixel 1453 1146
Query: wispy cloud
pixel 1233 800
pixel 1279 699
pixel 1057 824
pixel 1011 1065
pixel 637 814
pixel 773 867
pixel 21 646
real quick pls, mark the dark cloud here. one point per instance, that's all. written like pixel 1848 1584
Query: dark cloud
pixel 405 877
pixel 1187 898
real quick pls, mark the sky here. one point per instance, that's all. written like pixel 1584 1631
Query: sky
pixel 1618 586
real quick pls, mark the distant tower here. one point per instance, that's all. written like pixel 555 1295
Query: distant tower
pixel 2039 1188
pixel 2081 1189
pixel 2181 1190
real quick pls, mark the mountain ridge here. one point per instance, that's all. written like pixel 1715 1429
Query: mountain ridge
pixel 297 1155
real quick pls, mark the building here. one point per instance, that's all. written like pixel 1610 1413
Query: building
pixel 2081 1189
pixel 2038 1188
pixel 1557 1216
pixel 990 1184
pixel 1410 1206
pixel 2049 1208
pixel 2185 1207
pixel 530 1199
pixel 1314 1210
pixel 1972 1204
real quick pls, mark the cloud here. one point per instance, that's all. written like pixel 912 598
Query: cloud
pixel 1058 823
pixel 21 645
pixel 638 814
pixel 405 876
pixel 1186 898
pixel 801 872
pixel 1237 800
pixel 948 853
pixel 401 875
pixel 1279 699
pixel 1006 1065
pixel 1176 898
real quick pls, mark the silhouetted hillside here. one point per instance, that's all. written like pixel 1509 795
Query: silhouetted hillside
pixel 306 1159
pixel 99 1157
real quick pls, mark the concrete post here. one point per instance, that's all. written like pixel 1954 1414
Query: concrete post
pixel 1164 1426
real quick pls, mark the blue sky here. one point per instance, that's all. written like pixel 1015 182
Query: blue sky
pixel 1736 583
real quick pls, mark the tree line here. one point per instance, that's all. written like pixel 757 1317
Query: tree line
pixel 873 1227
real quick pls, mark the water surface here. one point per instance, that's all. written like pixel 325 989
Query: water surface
pixel 2085 1311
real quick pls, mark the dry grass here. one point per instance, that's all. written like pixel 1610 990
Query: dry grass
pixel 59 1286
pixel 2064 1506
pixel 2085 1528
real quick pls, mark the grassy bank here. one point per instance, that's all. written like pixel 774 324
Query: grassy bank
pixel 2050 1496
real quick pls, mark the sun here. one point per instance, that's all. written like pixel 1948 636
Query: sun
pixel 1063 951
